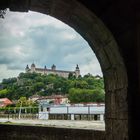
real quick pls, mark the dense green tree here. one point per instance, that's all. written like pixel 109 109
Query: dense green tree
pixel 23 101
pixel 88 88
pixel 4 93
pixel 77 95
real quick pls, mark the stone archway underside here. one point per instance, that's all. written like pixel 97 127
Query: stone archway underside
pixel 105 47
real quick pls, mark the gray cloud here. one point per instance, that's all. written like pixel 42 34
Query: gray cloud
pixel 34 37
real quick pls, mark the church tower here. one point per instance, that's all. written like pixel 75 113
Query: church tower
pixel 77 71
pixel 45 70
pixel 53 67
pixel 33 67
pixel 27 69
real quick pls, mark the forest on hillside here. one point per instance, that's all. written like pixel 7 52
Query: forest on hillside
pixel 88 88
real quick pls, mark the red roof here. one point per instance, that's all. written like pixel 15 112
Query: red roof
pixel 5 102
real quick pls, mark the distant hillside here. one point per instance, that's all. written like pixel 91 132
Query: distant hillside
pixel 82 89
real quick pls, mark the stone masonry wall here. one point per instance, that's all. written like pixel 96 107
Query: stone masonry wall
pixel 18 132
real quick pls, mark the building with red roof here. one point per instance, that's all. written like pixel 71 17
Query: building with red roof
pixel 4 102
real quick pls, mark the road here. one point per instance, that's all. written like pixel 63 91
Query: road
pixel 94 125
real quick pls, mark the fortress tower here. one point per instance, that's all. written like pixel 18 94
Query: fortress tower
pixel 77 71
pixel 33 67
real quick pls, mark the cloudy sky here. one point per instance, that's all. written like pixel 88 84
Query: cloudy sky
pixel 33 37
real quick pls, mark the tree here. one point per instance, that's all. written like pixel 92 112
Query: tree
pixel 77 95
pixel 38 86
pixel 22 102
pixel 3 93
pixel 71 76
pixel 81 84
pixel 28 84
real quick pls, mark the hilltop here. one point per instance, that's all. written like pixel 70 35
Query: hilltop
pixel 88 88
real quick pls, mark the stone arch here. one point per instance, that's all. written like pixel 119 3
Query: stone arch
pixel 105 47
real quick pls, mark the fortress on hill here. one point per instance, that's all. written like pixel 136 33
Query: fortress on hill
pixel 53 70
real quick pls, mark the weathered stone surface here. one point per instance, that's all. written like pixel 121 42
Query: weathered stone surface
pixel 19 5
pixel 116 129
pixel 62 10
pixel 115 78
pixel 16 132
pixel 116 105
pixel 43 6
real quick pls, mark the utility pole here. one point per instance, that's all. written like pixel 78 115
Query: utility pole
pixel 20 110
pixel 8 113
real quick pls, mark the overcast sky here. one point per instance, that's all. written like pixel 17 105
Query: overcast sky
pixel 33 37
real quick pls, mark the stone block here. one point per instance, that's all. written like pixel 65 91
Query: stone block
pixel 116 104
pixel 116 129
pixel 115 78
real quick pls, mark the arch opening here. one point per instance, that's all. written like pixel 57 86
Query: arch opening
pixel 45 47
